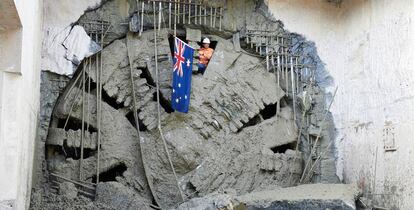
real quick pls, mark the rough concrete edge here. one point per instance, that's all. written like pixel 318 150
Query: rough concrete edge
pixel 349 200
pixel 323 78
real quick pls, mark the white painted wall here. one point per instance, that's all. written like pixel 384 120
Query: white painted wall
pixel 368 48
pixel 19 102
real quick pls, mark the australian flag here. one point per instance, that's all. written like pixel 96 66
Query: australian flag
pixel 183 67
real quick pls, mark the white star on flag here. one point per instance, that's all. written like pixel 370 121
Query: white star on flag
pixel 188 62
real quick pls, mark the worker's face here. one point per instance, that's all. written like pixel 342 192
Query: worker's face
pixel 205 45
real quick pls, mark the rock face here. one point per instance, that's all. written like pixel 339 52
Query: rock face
pixel 234 138
pixel 117 196
pixel 64 44
pixel 312 196
pixel 222 130
pixel 68 190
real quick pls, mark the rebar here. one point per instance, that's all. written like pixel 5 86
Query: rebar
pixel 189 12
pixel 221 14
pixel 142 18
pixel 297 74
pixel 184 8
pixel 89 92
pixel 179 11
pixel 205 15
pixel 159 17
pixel 83 123
pixel 313 150
pixel 71 107
pixel 73 181
pixel 309 173
pixel 200 19
pixel 175 18
pixel 98 64
pixel 169 15
pixel 211 16
pixel 292 75
pixel 195 14
pixel 267 59
pixel 215 17
pixel 286 71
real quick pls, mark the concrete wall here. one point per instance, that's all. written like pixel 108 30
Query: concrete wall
pixel 19 103
pixel 368 48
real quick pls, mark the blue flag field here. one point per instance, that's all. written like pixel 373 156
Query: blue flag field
pixel 182 71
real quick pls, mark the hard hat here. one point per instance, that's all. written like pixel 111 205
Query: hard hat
pixel 206 41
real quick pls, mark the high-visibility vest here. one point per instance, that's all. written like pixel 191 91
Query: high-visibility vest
pixel 205 55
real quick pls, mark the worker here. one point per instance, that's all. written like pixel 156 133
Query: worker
pixel 204 55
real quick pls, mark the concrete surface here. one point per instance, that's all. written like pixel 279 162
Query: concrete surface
pixel 310 197
pixel 19 104
pixel 367 47
pixel 10 37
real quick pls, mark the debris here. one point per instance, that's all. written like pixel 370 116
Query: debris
pixel 68 190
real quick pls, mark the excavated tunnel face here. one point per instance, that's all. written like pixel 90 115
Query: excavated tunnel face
pixel 243 120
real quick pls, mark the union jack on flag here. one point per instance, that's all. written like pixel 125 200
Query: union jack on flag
pixel 182 71
pixel 179 50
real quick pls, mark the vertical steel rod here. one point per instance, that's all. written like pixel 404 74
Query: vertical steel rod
pixel 286 70
pixel 276 50
pixel 221 14
pixel 83 124
pixel 189 12
pixel 169 15
pixel 175 17
pixel 89 92
pixel 142 18
pixel 200 19
pixel 97 115
pixel 267 58
pixel 205 16
pixel 178 13
pixel 211 16
pixel 99 67
pixel 283 60
pixel 184 8
pixel 297 74
pixel 292 75
pixel 215 17
pixel 137 1
pixel 195 14
pixel 159 17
